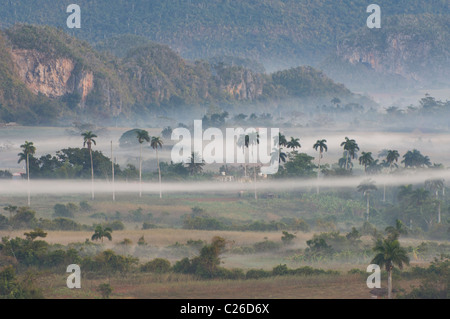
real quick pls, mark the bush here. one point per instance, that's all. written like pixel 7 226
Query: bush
pixel 147 225
pixel 4 222
pixel 203 223
pixel 10 287
pixel 24 218
pixel 108 262
pixel 287 238
pixel 280 270
pixel 183 266
pixel 233 274
pixel 64 210
pixel 85 207
pixel 105 289
pixel 5 174
pixel 115 225
pixel 257 274
pixel 157 265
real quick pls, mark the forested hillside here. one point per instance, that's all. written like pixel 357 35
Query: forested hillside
pixel 50 77
pixel 278 33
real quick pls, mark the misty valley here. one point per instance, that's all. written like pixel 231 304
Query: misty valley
pixel 224 150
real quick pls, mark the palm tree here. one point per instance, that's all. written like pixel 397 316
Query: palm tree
pixel 11 209
pixel 366 187
pixel 322 146
pixel 142 136
pixel 101 232
pixel 351 147
pixel 195 164
pixel 366 159
pixel 155 143
pixel 88 138
pixel 293 143
pixel 391 157
pixel 389 254
pixel 27 149
pixel 281 140
pixel 243 142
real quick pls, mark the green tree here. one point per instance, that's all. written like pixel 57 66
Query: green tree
pixel 366 159
pixel 142 136
pixel 105 289
pixel 293 143
pixel 321 146
pixel 350 147
pixel 88 139
pixel 155 143
pixel 195 164
pixel 389 254
pixel 11 209
pixel 101 232
pixel 27 149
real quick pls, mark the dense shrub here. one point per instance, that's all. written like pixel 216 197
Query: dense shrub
pixel 257 274
pixel 157 265
pixel 147 225
pixel 108 262
pixel 67 210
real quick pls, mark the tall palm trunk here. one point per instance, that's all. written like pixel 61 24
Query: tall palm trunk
pixel 140 170
pixel 28 179
pixel 92 173
pixel 390 283
pixel 159 172
pixel 346 160
pixel 318 173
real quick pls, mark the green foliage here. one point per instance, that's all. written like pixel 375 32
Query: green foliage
pixel 38 253
pixel 435 281
pixel 67 210
pixel 24 218
pixel 287 238
pixel 206 265
pixel 147 225
pixel 114 225
pixel 4 174
pixel 12 288
pixel 108 262
pixel 157 265
pixel 101 232
pixel 105 289
pixel 257 274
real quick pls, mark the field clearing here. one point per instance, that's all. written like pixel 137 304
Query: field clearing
pixel 176 286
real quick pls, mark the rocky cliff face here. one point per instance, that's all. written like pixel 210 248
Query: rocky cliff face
pixel 53 77
pixel 407 49
pixel 398 55
pixel 244 86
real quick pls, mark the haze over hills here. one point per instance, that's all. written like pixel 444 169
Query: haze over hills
pixel 278 34
pixel 48 76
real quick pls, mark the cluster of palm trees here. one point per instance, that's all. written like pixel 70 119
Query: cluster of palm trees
pixel 28 149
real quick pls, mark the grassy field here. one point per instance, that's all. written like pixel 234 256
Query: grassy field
pixel 174 286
